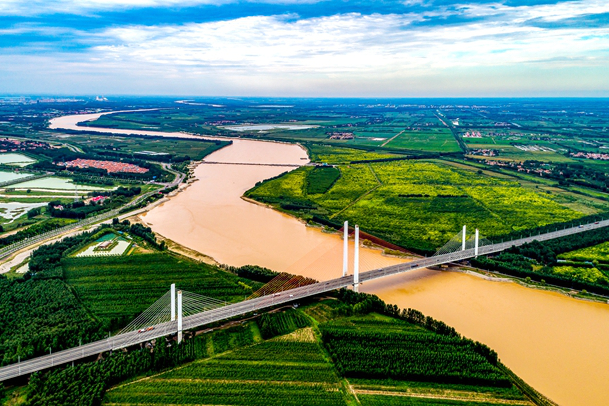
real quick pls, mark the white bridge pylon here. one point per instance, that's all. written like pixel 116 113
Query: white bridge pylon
pixel 168 311
pixel 355 255
pixel 463 241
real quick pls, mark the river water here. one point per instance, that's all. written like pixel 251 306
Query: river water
pixel 557 344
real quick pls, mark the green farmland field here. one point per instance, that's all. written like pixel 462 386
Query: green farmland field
pixel 195 149
pixel 336 155
pixel 289 370
pixel 295 369
pixel 122 287
pixel 420 204
pixel 436 140
pixel 598 253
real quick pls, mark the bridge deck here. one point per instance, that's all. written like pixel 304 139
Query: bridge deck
pixel 252 305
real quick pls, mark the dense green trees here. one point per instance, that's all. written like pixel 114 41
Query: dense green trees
pixel 274 324
pixel 147 234
pixel 253 272
pixel 408 355
pixel 38 314
pixel 321 179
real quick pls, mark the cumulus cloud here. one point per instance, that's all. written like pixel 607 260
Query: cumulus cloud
pixel 355 42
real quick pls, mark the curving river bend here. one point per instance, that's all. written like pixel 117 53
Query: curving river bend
pixel 557 344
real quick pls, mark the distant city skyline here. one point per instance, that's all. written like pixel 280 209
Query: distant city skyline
pixel 287 48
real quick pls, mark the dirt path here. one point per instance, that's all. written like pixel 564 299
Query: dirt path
pixel 379 184
pixel 392 138
pixel 448 395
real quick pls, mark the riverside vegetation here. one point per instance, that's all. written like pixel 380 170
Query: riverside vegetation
pixel 415 204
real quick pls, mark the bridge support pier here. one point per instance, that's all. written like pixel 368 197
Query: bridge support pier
pixel 346 248
pixel 463 238
pixel 173 301
pixel 476 243
pixel 356 261
pixel 179 316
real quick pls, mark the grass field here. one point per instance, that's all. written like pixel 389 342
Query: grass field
pixel 122 287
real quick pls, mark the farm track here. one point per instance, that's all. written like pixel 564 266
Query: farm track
pixel 392 138
pixel 354 202
pixel 447 395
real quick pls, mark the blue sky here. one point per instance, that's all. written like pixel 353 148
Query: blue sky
pixel 408 48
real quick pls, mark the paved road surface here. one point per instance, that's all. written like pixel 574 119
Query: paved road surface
pixel 247 306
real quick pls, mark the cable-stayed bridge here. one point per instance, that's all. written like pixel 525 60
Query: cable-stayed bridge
pixel 180 310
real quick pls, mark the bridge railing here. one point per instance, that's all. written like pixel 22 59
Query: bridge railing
pixel 226 312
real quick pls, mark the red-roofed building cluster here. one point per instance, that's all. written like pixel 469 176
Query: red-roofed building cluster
pixel 99 199
pixel 11 145
pixel 110 166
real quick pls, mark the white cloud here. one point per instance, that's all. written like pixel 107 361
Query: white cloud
pixel 344 43
pixel 363 52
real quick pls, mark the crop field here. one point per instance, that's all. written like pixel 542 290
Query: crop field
pixel 397 400
pixel 119 287
pixel 415 132
pixel 289 370
pixel 421 204
pixel 295 369
pixel 584 273
pixel 337 155
pixel 435 140
pixel 389 361
pixel 598 253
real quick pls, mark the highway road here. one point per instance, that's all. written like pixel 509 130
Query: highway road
pixel 252 305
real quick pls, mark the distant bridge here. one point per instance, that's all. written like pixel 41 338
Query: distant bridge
pixel 249 164
pixel 170 315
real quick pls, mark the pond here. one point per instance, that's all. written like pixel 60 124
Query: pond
pixel 54 184
pixel 267 127
pixel 9 176
pixel 14 210
pixel 16 159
